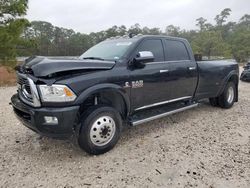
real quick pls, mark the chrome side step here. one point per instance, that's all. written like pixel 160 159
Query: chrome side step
pixel 137 122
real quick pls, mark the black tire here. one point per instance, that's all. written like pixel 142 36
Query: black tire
pixel 91 137
pixel 224 100
pixel 214 101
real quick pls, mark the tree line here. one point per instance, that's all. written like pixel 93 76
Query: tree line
pixel 19 37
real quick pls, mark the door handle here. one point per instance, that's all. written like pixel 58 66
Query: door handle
pixel 191 68
pixel 162 71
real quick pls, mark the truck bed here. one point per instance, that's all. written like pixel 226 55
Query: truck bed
pixel 212 76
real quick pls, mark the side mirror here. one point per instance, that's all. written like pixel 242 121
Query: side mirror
pixel 142 58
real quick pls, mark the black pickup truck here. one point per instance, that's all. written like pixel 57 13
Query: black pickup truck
pixel 120 81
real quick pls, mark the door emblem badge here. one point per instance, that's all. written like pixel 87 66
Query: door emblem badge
pixel 127 85
pixel 134 84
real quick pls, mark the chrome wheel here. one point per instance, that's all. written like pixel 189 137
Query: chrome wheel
pixel 230 95
pixel 102 131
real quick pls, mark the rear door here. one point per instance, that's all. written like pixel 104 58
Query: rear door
pixel 183 73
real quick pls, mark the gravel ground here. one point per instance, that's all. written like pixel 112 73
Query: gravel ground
pixel 201 147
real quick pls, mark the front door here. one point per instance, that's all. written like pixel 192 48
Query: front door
pixel 149 85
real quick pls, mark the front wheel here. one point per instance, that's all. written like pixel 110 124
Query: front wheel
pixel 227 98
pixel 100 129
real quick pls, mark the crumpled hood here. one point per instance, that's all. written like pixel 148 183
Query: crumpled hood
pixel 43 66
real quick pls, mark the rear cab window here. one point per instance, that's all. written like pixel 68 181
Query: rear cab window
pixel 175 50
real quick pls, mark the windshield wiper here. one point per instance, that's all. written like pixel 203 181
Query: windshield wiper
pixel 97 58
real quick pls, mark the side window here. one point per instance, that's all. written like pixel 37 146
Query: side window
pixel 176 50
pixel 153 45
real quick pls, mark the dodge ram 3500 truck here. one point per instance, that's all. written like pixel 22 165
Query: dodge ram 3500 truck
pixel 120 81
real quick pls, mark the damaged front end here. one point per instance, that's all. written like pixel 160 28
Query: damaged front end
pixel 39 66
pixel 37 71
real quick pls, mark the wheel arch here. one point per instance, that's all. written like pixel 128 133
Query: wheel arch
pixel 115 92
pixel 233 76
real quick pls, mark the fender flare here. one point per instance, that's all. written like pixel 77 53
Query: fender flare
pixel 104 87
pixel 225 81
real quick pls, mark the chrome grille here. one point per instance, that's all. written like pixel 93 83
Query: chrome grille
pixel 27 90
pixel 24 87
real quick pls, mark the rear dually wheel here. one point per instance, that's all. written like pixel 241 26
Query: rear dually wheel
pixel 227 98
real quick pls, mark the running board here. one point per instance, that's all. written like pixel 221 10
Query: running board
pixel 151 118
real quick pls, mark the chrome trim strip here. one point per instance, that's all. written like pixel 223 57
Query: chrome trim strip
pixel 34 92
pixel 163 102
pixel 26 94
pixel 163 114
pixel 191 68
pixel 167 62
pixel 162 71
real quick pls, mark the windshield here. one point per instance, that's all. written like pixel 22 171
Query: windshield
pixel 109 50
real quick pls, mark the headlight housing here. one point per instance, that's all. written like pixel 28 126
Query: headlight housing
pixel 56 93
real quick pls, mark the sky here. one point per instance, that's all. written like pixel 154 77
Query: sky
pixel 87 16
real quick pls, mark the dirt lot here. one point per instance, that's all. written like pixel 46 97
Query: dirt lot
pixel 202 147
pixel 7 76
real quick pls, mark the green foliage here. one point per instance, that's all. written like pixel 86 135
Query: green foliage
pixel 45 39
pixel 172 30
pixel 240 40
pixel 10 9
pixel 221 18
pixel 48 40
pixel 223 39
pixel 210 43
pixel 11 26
pixel 210 40
pixel 10 38
pixel 201 23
